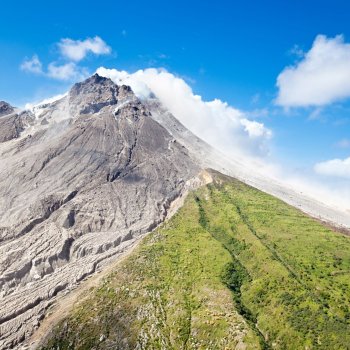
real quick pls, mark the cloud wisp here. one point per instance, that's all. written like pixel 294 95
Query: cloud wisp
pixel 321 77
pixel 66 67
pixel 66 72
pixel 77 50
pixel 32 65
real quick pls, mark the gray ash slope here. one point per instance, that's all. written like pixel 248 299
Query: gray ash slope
pixel 81 179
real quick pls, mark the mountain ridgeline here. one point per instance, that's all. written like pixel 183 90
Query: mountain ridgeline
pixel 85 177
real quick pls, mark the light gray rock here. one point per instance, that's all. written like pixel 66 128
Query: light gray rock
pixel 77 190
pixel 11 127
pixel 11 122
pixel 5 108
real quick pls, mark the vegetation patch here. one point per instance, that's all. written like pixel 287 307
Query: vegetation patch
pixel 235 268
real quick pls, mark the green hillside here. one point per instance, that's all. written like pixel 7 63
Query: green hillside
pixel 235 268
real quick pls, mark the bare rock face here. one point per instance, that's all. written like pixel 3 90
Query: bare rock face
pixel 96 93
pixel 84 177
pixel 5 108
pixel 12 123
pixel 11 127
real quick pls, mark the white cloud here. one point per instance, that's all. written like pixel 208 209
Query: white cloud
pixel 334 167
pixel 221 125
pixel 320 78
pixel 72 51
pixel 255 129
pixel 76 50
pixel 68 71
pixel 32 65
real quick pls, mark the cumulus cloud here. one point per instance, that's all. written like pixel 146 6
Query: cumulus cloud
pixel 76 50
pixel 334 167
pixel 32 65
pixel 69 71
pixel 321 77
pixel 221 125
pixel 72 51
pixel 65 72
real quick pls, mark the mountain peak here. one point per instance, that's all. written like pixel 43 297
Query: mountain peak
pixel 96 93
pixel 5 108
pixel 97 79
pixel 92 82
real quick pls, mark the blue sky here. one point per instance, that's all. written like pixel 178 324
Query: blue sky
pixel 232 50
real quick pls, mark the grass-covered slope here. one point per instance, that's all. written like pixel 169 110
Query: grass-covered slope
pixel 234 269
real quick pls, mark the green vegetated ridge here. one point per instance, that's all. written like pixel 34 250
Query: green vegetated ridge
pixel 235 268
